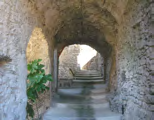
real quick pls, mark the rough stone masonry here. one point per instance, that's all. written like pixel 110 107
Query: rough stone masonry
pixel 122 31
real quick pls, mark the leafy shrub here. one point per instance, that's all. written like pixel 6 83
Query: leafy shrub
pixel 35 83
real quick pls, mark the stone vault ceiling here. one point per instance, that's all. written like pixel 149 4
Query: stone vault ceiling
pixel 81 21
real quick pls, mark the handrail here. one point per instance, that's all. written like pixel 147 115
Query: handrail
pixel 72 72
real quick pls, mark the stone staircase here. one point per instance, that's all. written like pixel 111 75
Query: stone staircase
pixel 85 100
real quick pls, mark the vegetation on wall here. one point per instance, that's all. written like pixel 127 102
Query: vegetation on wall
pixel 36 81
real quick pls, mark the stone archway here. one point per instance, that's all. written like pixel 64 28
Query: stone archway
pixel 78 57
pixel 127 26
pixel 37 48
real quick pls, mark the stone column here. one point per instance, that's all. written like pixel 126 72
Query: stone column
pixel 55 72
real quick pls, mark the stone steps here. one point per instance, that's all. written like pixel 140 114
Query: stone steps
pixel 83 84
pixel 96 108
pixel 80 99
pixel 85 118
pixel 80 114
pixel 86 100
pixel 90 97
pixel 88 73
pixel 104 104
pixel 88 78
pixel 88 81
pixel 79 92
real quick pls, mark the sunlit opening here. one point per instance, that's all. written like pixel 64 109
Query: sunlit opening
pixel 85 55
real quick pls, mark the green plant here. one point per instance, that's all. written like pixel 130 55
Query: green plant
pixel 36 80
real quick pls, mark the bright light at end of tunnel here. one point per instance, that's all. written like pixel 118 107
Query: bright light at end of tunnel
pixel 85 55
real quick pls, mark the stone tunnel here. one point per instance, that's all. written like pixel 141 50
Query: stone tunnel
pixel 120 30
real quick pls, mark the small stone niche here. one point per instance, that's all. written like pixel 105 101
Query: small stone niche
pixel 4 59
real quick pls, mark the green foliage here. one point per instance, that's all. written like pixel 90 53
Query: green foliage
pixel 30 110
pixel 35 83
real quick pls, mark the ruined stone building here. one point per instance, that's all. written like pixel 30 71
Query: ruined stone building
pixel 122 31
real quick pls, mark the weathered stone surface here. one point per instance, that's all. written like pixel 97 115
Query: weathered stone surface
pixel 68 60
pixel 121 30
pixel 132 54
pixel 96 63
pixel 16 25
pixel 38 49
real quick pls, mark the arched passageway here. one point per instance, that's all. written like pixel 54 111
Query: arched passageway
pixel 81 92
pixel 121 31
pixel 78 57
pixel 37 48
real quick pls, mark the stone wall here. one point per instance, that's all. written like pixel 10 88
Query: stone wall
pixel 16 25
pixel 37 48
pixel 134 62
pixel 127 26
pixel 68 60
pixel 95 63
pixel 42 104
